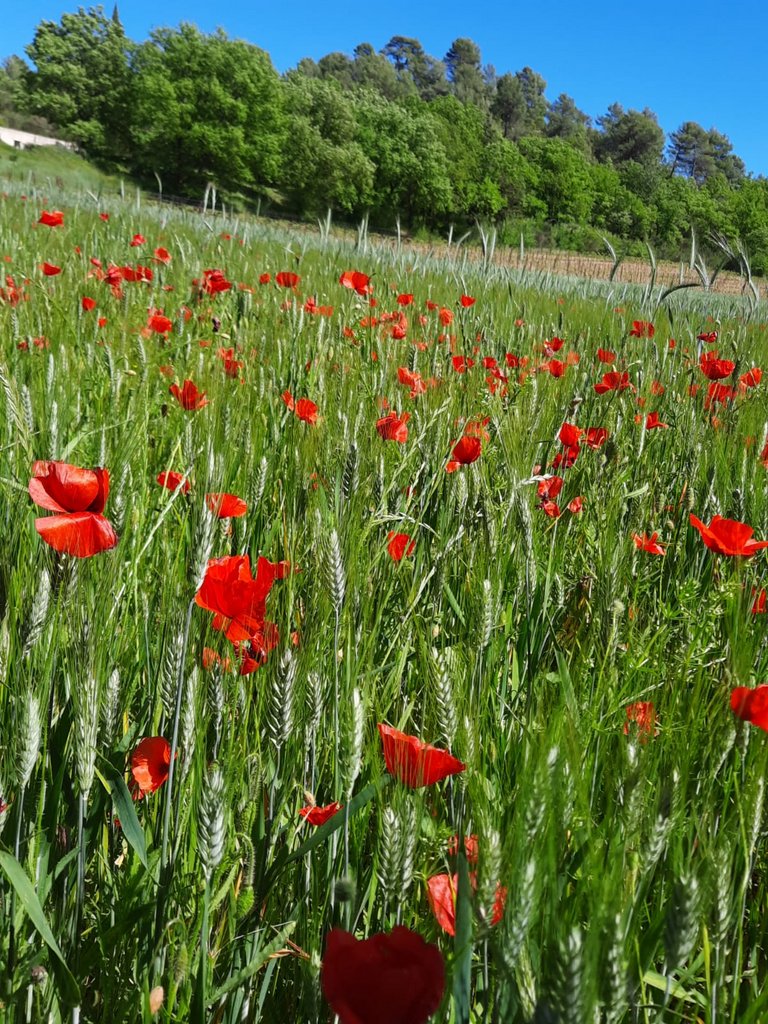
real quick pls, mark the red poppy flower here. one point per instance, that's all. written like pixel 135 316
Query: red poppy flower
pixel 405 299
pixel 188 396
pixel 399 545
pixel 226 506
pixel 150 762
pixel 50 269
pixel 613 381
pixel 549 488
pixel 462 363
pixel 550 508
pixel 465 451
pixel 751 378
pixel 595 437
pixel 162 255
pixel 643 714
pixel 760 604
pixel 287 279
pixel 237 600
pixel 173 481
pixel 605 356
pixel 215 282
pixel 388 978
pixel 728 537
pixel 265 278
pixel 441 893
pixel 471 849
pixel 414 762
pixel 576 505
pixel 212 658
pixel 412 381
pixel 393 427
pixel 445 316
pixel 304 408
pixel 642 329
pixel 232 366
pixel 467 301
pixel 554 367
pixel 710 337
pixel 79 496
pixel 645 543
pixel 137 240
pixel 356 281
pixel 87 303
pixel 714 368
pixel 52 219
pixel 751 705
pixel 319 815
pixel 652 422
pixel 570 435
pixel 159 324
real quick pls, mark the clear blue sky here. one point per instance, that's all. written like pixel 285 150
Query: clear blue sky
pixel 702 61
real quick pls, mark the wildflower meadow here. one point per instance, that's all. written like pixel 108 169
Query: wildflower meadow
pixel 382 637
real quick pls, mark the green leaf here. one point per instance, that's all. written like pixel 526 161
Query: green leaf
pixel 28 897
pixel 258 961
pixel 124 809
pixel 462 971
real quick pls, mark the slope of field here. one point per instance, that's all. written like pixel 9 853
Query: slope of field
pixel 326 490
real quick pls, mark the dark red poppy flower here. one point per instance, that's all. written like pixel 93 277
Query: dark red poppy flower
pixel 710 337
pixel 641 714
pixel 51 219
pixel 50 269
pixel 265 278
pixel 393 427
pixel 254 651
pixel 605 356
pixel 226 506
pixel 237 600
pixel 394 978
pixel 87 303
pixel 550 508
pixel 399 545
pixel 441 894
pixel 714 368
pixel 467 301
pixel 287 279
pixel 414 762
pixel 642 329
pixel 751 705
pixel 137 240
pixel 613 381
pixel 314 815
pixel 173 481
pixel 78 496
pixel 356 281
pixel 466 450
pixel 728 537
pixel 188 396
pixel 760 604
pixel 406 299
pixel 150 762
pixel 649 544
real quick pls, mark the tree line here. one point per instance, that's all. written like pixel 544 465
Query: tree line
pixel 395 134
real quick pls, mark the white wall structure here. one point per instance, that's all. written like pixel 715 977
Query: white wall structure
pixel 23 140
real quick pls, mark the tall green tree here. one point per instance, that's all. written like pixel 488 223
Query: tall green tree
pixel 566 121
pixel 533 87
pixel 81 80
pixel 700 154
pixel 206 108
pixel 412 64
pixel 463 65
pixel 508 106
pixel 629 135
